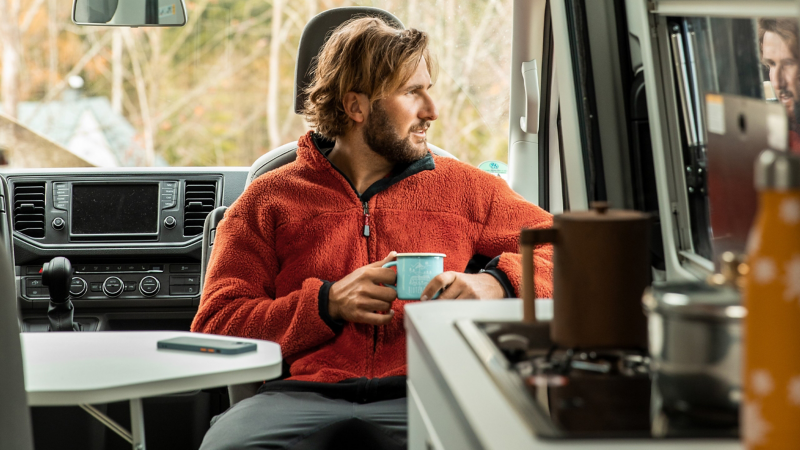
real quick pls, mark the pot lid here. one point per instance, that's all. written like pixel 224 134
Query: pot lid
pixel 696 299
pixel 601 212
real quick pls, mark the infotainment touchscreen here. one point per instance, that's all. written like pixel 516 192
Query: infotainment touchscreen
pixel 114 208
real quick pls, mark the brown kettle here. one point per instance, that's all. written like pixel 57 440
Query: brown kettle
pixel 601 266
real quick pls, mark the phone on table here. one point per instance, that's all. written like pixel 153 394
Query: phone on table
pixel 207 345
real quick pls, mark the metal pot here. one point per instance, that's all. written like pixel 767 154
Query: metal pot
pixel 695 342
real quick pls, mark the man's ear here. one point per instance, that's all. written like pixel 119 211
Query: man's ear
pixel 356 106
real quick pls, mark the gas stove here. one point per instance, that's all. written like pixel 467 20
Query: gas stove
pixel 584 393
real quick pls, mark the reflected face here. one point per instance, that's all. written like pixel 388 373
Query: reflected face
pixel 396 127
pixel 783 70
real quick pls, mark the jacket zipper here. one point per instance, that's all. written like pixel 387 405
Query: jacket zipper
pixel 366 234
pixel 366 219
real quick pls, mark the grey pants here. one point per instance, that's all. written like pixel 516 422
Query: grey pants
pixel 307 420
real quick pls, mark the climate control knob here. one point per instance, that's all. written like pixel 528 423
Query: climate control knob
pixel 113 286
pixel 77 287
pixel 149 286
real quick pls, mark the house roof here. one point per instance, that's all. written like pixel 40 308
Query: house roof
pixel 58 121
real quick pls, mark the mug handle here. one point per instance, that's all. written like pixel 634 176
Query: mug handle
pixel 386 266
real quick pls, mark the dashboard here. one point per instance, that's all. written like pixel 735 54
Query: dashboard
pixel 133 236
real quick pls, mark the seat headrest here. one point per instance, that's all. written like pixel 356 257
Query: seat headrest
pixel 316 32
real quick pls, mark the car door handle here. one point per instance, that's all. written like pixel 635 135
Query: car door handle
pixel 530 78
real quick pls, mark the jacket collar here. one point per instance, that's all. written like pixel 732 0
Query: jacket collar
pixel 317 148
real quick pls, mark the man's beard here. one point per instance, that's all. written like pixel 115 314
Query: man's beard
pixel 381 138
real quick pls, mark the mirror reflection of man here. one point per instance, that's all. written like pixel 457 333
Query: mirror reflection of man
pixel 778 40
pixel 298 257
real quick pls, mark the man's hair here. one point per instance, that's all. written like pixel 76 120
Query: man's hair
pixel 363 55
pixel 785 28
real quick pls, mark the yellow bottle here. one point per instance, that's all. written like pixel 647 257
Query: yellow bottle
pixel 771 407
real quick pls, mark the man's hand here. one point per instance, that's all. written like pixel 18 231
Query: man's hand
pixel 456 285
pixel 357 297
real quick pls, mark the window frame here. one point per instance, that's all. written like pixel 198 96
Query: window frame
pixel 648 22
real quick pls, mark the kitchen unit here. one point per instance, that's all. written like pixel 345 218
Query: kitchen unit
pixel 456 403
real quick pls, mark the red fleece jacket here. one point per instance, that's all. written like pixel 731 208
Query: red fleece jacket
pixel 300 227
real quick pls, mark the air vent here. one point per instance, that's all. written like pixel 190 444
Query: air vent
pixel 29 209
pixel 200 198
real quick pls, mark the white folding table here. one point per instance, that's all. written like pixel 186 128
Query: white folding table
pixel 84 368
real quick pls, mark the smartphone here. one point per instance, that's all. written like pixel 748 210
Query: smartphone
pixel 206 345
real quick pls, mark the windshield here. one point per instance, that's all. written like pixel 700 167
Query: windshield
pixel 219 91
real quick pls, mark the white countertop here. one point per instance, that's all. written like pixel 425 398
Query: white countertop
pixel 494 421
pixel 74 368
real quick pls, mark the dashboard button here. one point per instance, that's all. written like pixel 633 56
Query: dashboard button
pixel 184 268
pixel 77 287
pixel 33 270
pixel 184 290
pixel 149 286
pixel 58 223
pixel 130 286
pixel 96 287
pixel 61 196
pixel 38 292
pixel 33 282
pixel 113 286
pixel 157 267
pixel 181 281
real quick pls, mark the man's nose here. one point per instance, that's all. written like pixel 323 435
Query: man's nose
pixel 781 76
pixel 429 111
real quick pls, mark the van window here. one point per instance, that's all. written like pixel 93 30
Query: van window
pixel 752 58
pixel 219 91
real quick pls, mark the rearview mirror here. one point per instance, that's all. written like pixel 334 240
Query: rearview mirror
pixel 129 13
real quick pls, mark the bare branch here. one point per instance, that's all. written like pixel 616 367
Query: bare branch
pixel 187 29
pixel 91 53
pixel 141 91
pixel 30 14
pixel 274 61
pixel 222 73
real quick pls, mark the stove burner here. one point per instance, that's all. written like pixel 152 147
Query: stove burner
pixel 607 362
pixel 580 393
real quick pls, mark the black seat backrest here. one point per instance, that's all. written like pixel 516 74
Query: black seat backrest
pixel 316 31
pixel 15 421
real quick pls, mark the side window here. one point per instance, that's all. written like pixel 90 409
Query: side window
pixel 731 73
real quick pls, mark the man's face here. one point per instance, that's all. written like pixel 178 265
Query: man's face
pixel 396 127
pixel 783 70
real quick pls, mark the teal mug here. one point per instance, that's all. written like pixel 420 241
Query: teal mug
pixel 414 272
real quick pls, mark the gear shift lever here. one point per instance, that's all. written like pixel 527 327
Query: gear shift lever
pixel 57 275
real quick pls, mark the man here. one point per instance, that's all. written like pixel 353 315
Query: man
pixel 298 257
pixel 777 40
